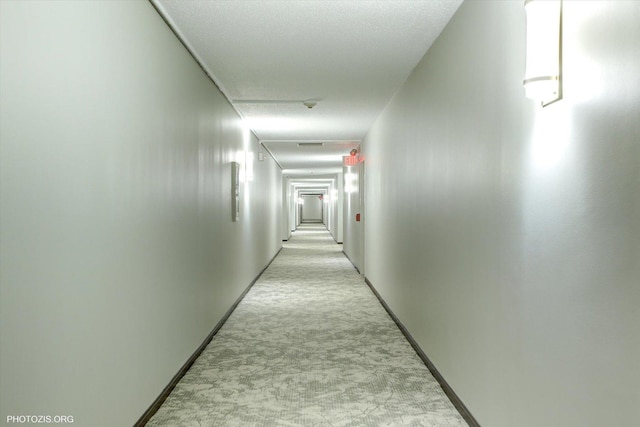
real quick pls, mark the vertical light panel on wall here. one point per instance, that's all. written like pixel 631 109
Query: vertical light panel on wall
pixel 543 75
pixel 235 191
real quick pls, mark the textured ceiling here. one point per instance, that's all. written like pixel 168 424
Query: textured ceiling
pixel 349 56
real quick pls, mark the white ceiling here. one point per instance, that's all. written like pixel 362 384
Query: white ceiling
pixel 269 56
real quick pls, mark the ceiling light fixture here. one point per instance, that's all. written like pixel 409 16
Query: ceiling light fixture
pixel 266 101
pixel 309 103
pixel 543 75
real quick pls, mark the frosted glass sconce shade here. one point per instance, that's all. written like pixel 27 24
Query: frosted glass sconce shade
pixel 543 75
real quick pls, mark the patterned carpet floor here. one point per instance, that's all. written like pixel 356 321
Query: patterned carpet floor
pixel 309 345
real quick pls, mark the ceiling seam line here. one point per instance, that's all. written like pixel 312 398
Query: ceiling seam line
pixel 206 72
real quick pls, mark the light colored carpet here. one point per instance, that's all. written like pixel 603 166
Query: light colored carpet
pixel 309 345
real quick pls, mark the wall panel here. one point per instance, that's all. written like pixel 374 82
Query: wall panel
pixel 119 255
pixel 506 237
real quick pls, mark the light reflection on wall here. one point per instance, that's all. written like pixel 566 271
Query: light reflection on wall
pixel 350 182
pixel 583 74
pixel 270 123
pixel 550 137
pixel 248 166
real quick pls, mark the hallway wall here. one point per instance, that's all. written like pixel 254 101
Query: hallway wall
pixel 119 255
pixel 353 231
pixel 287 211
pixel 506 237
pixel 312 207
pixel 337 201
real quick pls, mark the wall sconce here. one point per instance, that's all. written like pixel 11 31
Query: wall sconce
pixel 543 75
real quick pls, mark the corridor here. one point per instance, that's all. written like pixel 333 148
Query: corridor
pixel 157 160
pixel 308 345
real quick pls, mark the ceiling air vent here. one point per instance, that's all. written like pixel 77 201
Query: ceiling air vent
pixel 310 144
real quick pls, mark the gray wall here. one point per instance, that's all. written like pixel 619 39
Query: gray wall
pixel 287 201
pixel 506 237
pixel 337 217
pixel 118 251
pixel 312 207
pixel 353 182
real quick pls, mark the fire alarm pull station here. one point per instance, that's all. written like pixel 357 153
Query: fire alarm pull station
pixel 357 217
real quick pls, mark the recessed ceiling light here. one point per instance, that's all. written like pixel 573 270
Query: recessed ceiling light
pixel 310 144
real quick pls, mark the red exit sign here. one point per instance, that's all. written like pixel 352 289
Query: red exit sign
pixel 350 160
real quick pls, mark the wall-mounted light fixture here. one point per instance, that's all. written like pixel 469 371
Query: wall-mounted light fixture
pixel 235 191
pixel 543 75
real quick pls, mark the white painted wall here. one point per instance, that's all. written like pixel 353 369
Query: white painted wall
pixel 118 251
pixel 298 210
pixel 353 233
pixel 287 202
pixel 340 212
pixel 293 209
pixel 336 198
pixel 325 210
pixel 507 237
pixel 311 208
